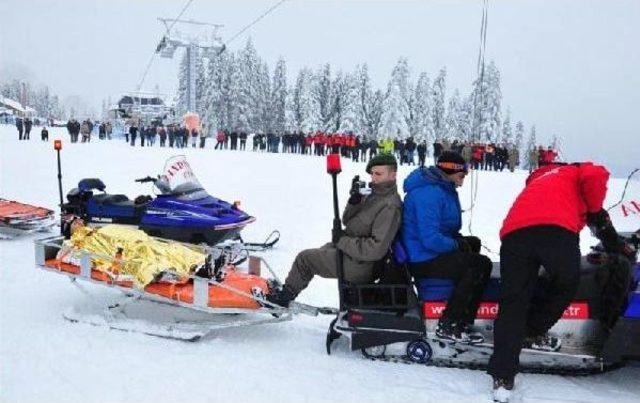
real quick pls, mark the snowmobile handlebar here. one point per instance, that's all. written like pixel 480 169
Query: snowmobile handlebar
pixel 146 179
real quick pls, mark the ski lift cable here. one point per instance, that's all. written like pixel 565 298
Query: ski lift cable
pixel 480 70
pixel 624 191
pixel 254 22
pixel 153 55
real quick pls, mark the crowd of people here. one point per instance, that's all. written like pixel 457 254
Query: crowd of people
pixel 478 155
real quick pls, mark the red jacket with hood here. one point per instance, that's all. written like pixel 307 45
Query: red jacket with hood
pixel 559 195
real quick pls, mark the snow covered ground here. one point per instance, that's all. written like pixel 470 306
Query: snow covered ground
pixel 45 358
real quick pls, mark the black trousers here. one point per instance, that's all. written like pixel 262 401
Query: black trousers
pixel 531 304
pixel 469 271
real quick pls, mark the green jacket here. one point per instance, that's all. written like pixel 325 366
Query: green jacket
pixel 371 226
pixel 386 146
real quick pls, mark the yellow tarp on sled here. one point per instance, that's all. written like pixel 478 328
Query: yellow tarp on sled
pixel 132 252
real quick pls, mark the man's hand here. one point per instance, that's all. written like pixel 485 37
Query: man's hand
pixel 470 244
pixel 354 192
pixel 601 226
pixel 463 245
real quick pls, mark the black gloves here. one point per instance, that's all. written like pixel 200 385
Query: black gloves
pixel 469 244
pixel 354 192
pixel 463 245
pixel 600 225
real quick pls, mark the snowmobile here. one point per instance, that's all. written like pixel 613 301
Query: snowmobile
pixel 18 219
pixel 181 211
pixel 219 294
pixel 600 329
pixel 389 321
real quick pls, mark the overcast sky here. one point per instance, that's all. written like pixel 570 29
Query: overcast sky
pixel 570 67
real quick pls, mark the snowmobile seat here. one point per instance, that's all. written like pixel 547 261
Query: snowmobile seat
pixel 115 206
pixel 437 289
pixel 440 289
pixel 89 184
pixel 109 199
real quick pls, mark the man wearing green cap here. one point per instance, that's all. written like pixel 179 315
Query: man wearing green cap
pixel 371 220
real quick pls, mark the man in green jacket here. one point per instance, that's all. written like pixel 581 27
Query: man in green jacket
pixel 371 223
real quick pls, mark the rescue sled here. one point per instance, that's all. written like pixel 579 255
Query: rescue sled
pixel 182 210
pixel 18 219
pixel 392 323
pixel 207 296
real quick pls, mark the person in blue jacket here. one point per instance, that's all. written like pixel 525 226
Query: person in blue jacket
pixel 431 222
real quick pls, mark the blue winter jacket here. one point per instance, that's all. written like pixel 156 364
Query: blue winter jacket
pixel 431 215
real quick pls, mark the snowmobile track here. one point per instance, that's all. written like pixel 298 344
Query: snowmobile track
pixel 483 367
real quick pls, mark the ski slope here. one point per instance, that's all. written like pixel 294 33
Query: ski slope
pixel 44 358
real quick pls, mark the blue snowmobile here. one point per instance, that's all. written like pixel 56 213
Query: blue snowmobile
pixel 182 210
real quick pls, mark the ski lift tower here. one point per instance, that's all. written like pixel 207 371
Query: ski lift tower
pixel 210 43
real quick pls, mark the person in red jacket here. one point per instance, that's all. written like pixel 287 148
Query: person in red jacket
pixel 308 143
pixel 321 141
pixel 541 229
pixel 548 156
pixel 478 151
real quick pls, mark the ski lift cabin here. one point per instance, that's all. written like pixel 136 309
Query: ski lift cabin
pixel 146 108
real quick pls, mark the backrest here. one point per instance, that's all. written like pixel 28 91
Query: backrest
pixel 90 184
pixel 392 289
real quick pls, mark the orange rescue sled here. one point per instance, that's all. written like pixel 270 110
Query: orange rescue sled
pixel 19 218
pixel 231 291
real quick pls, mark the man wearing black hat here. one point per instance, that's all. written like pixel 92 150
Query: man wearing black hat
pixel 431 222
pixel 371 219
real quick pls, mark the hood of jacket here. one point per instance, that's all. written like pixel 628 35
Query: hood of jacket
pixel 430 176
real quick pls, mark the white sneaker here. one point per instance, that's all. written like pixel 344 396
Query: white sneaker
pixel 502 389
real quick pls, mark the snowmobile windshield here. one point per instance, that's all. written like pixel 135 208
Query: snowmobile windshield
pixel 178 179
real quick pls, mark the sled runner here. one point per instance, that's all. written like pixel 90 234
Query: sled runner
pixel 18 219
pixel 214 291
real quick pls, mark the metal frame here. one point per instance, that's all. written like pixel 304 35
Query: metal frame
pixel 15 227
pixel 44 247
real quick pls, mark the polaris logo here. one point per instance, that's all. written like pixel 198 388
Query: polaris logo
pixel 102 219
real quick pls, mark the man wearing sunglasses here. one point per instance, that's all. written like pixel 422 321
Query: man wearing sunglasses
pixel 431 222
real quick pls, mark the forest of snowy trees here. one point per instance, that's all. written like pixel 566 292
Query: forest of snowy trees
pixel 239 91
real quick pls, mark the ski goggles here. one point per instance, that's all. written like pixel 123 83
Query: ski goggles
pixel 453 167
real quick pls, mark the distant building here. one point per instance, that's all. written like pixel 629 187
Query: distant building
pixel 146 109
pixel 10 107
